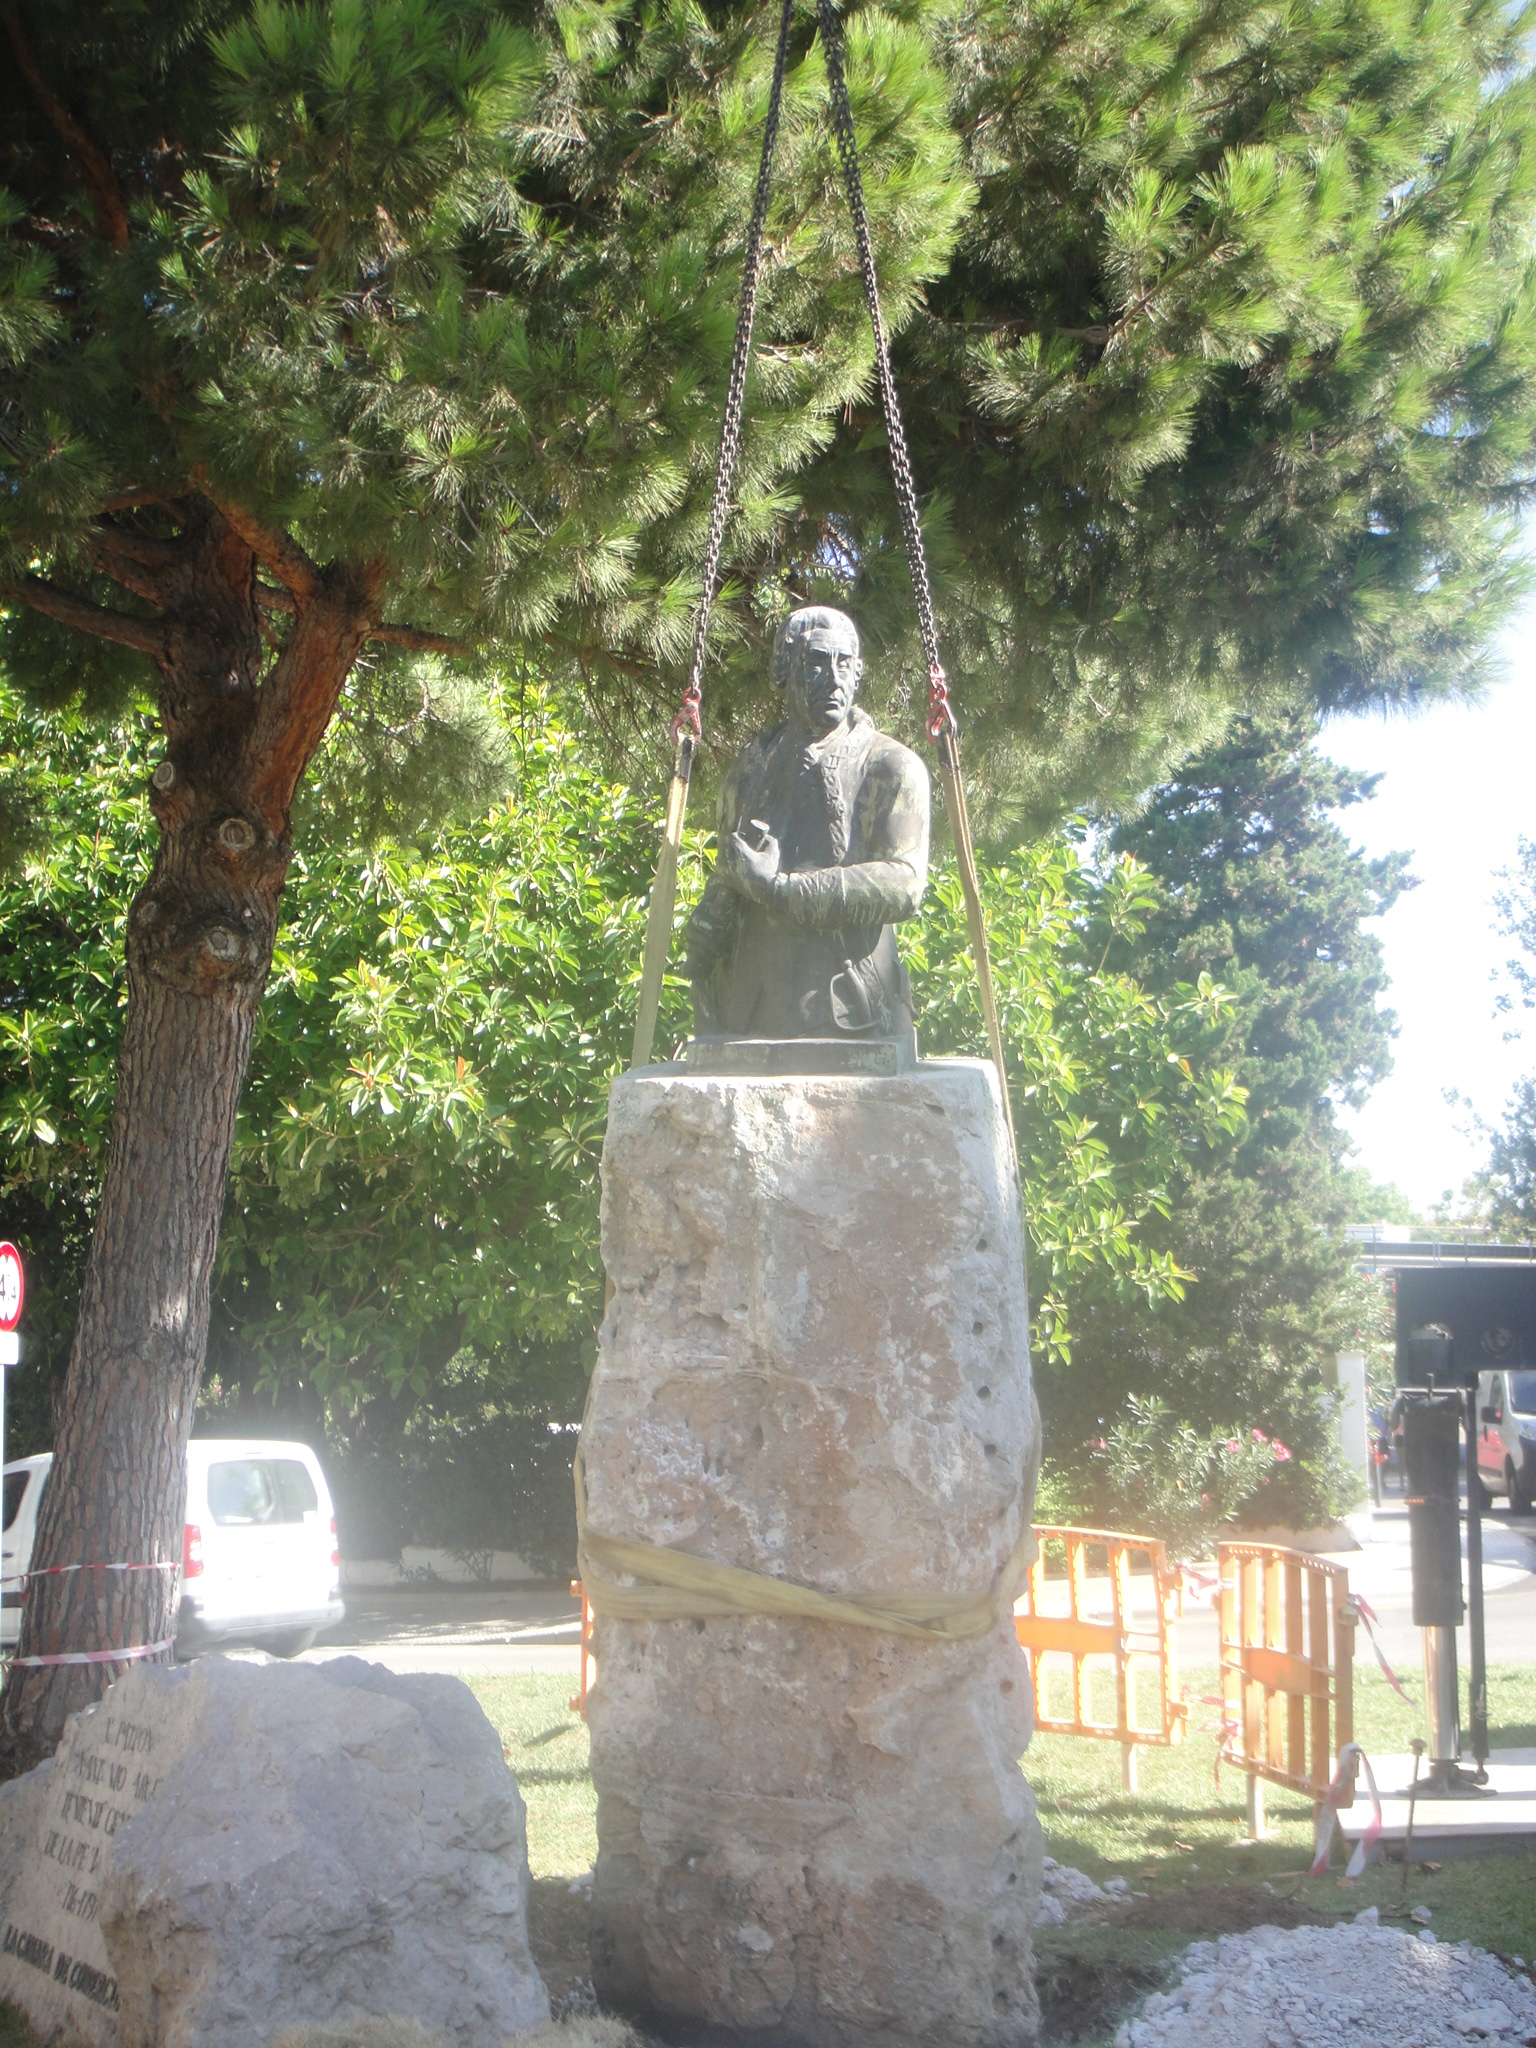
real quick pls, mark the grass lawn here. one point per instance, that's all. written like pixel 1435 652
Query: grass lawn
pixel 546 1745
pixel 1182 1828
pixel 1181 1839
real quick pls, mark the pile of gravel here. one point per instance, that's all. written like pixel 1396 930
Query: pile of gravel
pixel 1065 1892
pixel 1356 1986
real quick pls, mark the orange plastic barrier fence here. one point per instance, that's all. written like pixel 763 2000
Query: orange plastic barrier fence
pixel 579 1592
pixel 1287 1669
pixel 1081 1616
pixel 1094 1614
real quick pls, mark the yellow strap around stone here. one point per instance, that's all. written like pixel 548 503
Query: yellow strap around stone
pixel 673 1585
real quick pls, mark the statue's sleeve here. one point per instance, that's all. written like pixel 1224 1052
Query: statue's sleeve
pixel 893 807
pixel 712 926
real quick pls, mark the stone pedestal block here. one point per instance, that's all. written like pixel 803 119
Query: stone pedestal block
pixel 815 1366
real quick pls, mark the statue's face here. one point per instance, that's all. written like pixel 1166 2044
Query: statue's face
pixel 823 680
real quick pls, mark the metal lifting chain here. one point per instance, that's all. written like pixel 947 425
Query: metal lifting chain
pixel 685 727
pixel 941 719
pixel 942 729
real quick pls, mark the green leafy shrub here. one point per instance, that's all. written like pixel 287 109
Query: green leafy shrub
pixel 1161 1477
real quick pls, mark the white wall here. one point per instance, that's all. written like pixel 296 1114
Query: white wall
pixel 1354 1439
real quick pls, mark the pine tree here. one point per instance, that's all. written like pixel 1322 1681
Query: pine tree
pixel 1264 893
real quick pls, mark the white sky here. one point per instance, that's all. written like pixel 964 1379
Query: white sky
pixel 1459 789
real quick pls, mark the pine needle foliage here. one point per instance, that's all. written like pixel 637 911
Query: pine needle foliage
pixel 436 286
pixel 1214 330
pixel 1226 394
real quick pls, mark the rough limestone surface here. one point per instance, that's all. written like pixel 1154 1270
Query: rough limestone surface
pixel 1066 1893
pixel 308 1845
pixel 1335 1987
pixel 814 1365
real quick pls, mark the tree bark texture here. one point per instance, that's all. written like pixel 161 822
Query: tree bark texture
pixel 200 941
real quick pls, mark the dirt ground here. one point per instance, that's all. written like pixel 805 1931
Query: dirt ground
pixel 559 1920
pixel 1086 1985
pixel 1083 1991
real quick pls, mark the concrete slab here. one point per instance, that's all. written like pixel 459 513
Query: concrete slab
pixel 1500 1820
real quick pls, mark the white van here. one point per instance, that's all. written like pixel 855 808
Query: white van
pixel 1506 1438
pixel 259 1562
pixel 21 1488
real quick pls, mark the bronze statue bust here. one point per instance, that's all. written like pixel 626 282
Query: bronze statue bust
pixel 822 848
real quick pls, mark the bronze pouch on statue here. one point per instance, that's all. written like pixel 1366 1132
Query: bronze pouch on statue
pixel 852 1007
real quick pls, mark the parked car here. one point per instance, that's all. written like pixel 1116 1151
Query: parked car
pixel 1506 1438
pixel 259 1562
pixel 21 1488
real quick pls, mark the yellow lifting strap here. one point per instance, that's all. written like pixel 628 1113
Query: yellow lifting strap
pixel 942 729
pixel 676 1585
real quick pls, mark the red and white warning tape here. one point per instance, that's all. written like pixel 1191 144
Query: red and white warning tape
pixel 60 1657
pixel 1226 1730
pixel 101 1656
pixel 1366 1615
pixel 52 1571
pixel 1328 1814
pixel 1230 1730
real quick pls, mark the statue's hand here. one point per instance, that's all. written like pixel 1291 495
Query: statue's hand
pixel 754 868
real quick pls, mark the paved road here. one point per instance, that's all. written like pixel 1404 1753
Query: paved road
pixel 459 1629
pixel 469 1629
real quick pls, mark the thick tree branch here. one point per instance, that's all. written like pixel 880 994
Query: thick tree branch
pixel 141 562
pixel 131 501
pixel 125 569
pixel 278 600
pixel 147 635
pixel 149 550
pixel 416 637
pixel 277 554
pixel 299 696
pixel 95 165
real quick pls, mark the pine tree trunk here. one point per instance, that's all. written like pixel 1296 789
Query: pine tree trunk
pixel 116 1491
pixel 200 940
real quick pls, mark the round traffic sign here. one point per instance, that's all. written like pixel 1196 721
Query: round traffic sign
pixel 13 1288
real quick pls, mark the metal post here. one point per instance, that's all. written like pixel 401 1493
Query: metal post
pixel 1442 1709
pixel 1413 1793
pixel 1477 1702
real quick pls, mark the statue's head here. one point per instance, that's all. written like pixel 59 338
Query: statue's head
pixel 817 664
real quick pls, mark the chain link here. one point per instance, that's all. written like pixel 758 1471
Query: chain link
pixel 941 719
pixel 685 727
